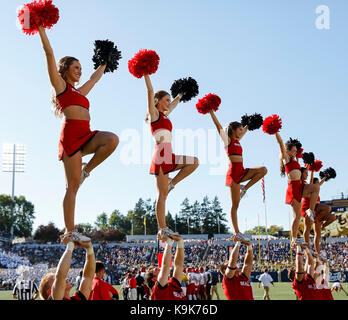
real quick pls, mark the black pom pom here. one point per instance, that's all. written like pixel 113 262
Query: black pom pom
pixel 296 143
pixel 308 158
pixel 254 122
pixel 328 173
pixel 187 86
pixel 105 52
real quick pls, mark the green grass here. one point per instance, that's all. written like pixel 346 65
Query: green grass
pixel 281 291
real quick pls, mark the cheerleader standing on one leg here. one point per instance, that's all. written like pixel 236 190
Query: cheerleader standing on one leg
pixel 76 140
pixel 296 188
pixel 164 160
pixel 236 172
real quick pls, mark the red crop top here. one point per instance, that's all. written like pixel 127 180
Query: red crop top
pixel 234 148
pixel 163 122
pixel 292 165
pixel 71 97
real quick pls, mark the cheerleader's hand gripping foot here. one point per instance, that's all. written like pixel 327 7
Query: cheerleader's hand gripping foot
pixel 242 238
pixel 167 233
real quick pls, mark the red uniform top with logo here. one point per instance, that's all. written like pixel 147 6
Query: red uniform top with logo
pixel 75 134
pixel 101 290
pixel 295 187
pixel 306 289
pixel 236 171
pixel 326 294
pixel 163 157
pixel 171 291
pixel 237 288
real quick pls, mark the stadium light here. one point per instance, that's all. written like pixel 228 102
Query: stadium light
pixel 13 160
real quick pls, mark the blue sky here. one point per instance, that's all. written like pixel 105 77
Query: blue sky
pixel 258 56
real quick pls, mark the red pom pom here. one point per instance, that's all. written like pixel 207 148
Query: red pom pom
pixel 144 62
pixel 316 166
pixel 38 13
pixel 272 124
pixel 209 102
pixel 300 153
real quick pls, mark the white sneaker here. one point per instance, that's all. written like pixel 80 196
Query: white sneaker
pixel 166 232
pixel 78 237
pixel 84 174
pixel 241 237
pixel 299 241
pixel 243 191
pixel 310 214
pixel 170 185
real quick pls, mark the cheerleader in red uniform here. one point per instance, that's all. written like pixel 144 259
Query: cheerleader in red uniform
pixel 164 160
pixel 290 166
pixel 76 139
pixel 322 212
pixel 236 172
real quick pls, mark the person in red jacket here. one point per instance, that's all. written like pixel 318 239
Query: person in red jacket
pixel 304 284
pixel 235 282
pixel 102 290
pixel 132 283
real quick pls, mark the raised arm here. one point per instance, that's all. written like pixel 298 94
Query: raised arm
pixel 312 177
pixel 59 284
pixel 322 181
pixel 232 262
pixel 220 129
pixel 248 262
pixel 57 81
pixel 310 263
pixel 174 103
pixel 95 77
pixel 151 109
pixel 179 260
pixel 282 147
pixel 165 269
pixel 300 272
pixel 88 270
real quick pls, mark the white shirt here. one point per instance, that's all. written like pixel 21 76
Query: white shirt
pixel 266 280
pixel 336 284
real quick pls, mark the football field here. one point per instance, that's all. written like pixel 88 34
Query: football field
pixel 280 291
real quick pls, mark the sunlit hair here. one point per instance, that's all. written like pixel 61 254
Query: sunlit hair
pixel 149 276
pixel 45 286
pixel 63 67
pixel 288 146
pixel 231 127
pixel 158 96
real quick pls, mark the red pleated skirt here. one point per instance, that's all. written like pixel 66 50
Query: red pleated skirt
pixel 236 172
pixel 163 158
pixel 73 137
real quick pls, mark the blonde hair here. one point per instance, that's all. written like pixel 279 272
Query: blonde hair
pixel 158 96
pixel 63 67
pixel 45 286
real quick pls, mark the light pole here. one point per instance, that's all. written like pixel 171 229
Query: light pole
pixel 13 160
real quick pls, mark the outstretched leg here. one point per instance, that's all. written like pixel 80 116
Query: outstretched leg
pixel 235 198
pixel 296 209
pixel 162 191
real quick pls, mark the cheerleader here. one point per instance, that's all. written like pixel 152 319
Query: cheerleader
pixel 164 160
pixel 290 166
pixel 76 139
pixel 236 174
pixel 322 212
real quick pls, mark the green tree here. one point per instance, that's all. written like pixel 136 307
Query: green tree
pixel 16 215
pixel 218 217
pixel 49 233
pixel 256 230
pixel 274 230
pixel 102 222
pixel 85 228
pixel 184 217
